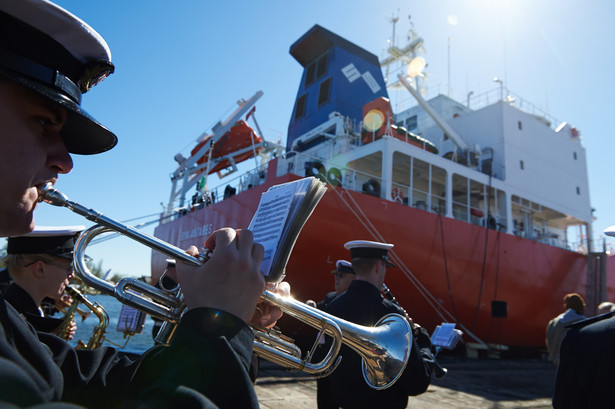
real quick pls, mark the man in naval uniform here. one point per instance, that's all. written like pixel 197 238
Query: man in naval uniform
pixel 364 304
pixel 40 264
pixel 343 276
pixel 48 59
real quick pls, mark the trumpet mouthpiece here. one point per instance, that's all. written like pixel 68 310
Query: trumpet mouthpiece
pixel 51 195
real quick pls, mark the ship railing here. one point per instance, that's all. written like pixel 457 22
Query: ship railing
pixel 225 189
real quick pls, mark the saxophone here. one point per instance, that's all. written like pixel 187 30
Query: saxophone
pixel 98 335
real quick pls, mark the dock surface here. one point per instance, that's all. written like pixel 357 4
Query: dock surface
pixel 472 383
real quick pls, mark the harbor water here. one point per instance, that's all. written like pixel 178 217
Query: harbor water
pixel 136 344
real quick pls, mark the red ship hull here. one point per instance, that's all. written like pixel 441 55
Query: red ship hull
pixel 460 267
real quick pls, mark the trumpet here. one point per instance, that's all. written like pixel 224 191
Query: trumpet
pixel 384 348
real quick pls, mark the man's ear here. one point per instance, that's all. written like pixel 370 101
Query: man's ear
pixel 38 269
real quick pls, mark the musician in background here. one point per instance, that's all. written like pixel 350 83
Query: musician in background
pixel 40 264
pixel 364 304
pixel 343 275
pixel 48 59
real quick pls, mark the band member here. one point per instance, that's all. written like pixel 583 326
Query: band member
pixel 343 276
pixel 586 358
pixel 40 264
pixel 364 304
pixel 48 59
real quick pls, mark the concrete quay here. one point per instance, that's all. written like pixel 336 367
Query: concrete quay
pixel 472 383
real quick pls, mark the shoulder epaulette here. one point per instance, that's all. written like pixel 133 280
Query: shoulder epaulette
pixel 588 321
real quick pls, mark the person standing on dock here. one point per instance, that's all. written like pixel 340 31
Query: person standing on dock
pixel 364 304
pixel 556 329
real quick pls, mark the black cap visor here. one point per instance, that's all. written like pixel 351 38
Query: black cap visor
pixel 82 134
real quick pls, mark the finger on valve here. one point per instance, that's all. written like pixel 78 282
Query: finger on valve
pixel 230 280
pixel 267 314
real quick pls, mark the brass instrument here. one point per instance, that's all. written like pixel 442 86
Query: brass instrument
pixel 385 348
pixel 439 370
pixel 67 311
pixel 98 334
pixel 63 330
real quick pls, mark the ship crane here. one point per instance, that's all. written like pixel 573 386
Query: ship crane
pixel 189 170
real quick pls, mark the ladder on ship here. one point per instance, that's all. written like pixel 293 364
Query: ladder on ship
pixel 596 287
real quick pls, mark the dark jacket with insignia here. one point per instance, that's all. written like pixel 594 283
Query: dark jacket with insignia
pixel 363 304
pixel 25 305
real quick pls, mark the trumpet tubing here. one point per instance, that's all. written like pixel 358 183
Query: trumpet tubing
pixel 384 348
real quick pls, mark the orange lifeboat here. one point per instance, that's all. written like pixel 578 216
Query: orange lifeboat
pixel 239 137
pixel 378 115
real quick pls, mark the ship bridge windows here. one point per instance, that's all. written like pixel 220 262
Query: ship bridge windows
pixel 300 107
pixel 418 183
pixel 316 70
pixel 324 92
pixel 479 204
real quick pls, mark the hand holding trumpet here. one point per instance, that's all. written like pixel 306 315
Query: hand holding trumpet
pixel 231 279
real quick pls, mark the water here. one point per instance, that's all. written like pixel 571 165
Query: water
pixel 138 343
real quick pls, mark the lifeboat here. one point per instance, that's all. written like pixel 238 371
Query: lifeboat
pixel 378 116
pixel 237 139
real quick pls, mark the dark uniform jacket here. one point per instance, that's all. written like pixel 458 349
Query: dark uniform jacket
pixel 363 304
pixel 322 305
pixel 206 365
pixel 586 361
pixel 25 305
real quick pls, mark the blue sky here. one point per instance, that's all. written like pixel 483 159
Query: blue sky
pixel 182 65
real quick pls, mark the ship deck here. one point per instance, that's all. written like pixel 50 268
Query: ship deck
pixel 472 383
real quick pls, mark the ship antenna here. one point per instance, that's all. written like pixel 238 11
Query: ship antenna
pixel 394 19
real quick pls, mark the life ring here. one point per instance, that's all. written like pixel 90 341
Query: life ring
pixel 316 169
pixel 334 177
pixel 397 195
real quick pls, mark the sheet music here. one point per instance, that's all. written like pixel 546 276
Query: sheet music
pixel 269 219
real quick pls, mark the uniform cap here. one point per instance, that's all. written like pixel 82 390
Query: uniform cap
pixel 369 249
pixel 343 266
pixel 51 52
pixel 55 240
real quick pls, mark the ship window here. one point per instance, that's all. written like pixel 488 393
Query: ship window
pixel 300 107
pixel 324 92
pixel 411 123
pixel 321 69
pixel 316 69
pixel 310 74
pixel 460 197
pixel 578 190
pixel 520 125
pixel 438 190
pixel 521 165
pixel 574 155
